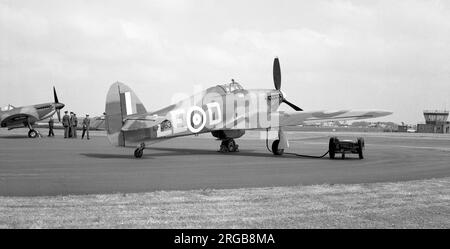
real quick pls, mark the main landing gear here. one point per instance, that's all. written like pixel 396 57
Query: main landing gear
pixel 278 145
pixel 229 145
pixel 33 133
pixel 139 152
pixel 275 150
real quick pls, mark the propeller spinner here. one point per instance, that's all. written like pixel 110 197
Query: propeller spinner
pixel 277 83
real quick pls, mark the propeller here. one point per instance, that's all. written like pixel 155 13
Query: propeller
pixel 277 83
pixel 283 141
pixel 55 96
pixel 276 74
pixel 58 106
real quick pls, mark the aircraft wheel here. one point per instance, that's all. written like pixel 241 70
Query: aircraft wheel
pixel 223 148
pixel 32 134
pixel 360 148
pixel 331 147
pixel 138 153
pixel 231 145
pixel 275 150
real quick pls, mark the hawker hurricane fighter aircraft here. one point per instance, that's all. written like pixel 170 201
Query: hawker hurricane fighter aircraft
pixel 26 116
pixel 226 111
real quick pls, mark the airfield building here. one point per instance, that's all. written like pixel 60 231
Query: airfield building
pixel 402 128
pixel 435 122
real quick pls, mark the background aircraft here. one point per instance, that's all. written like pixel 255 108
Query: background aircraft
pixel 97 124
pixel 26 116
pixel 226 111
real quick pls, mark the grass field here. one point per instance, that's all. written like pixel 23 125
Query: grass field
pixel 413 204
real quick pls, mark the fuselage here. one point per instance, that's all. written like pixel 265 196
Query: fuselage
pixel 27 115
pixel 225 108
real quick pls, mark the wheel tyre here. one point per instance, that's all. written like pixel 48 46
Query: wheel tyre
pixel 138 153
pixel 231 146
pixel 223 148
pixel 331 148
pixel 331 154
pixel 361 148
pixel 32 134
pixel 275 150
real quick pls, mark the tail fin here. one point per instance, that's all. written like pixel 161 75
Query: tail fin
pixel 121 102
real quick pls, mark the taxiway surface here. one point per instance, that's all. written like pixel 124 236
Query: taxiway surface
pixel 55 166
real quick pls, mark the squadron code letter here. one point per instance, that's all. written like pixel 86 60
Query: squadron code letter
pixel 193 239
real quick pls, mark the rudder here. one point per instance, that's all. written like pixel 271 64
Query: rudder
pixel 121 102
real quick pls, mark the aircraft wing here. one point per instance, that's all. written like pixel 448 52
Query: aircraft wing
pixel 17 120
pixel 306 117
pixel 141 122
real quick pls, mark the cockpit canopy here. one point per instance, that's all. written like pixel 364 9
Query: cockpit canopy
pixel 231 87
pixel 7 108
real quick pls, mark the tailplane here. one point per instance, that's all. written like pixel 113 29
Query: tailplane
pixel 121 102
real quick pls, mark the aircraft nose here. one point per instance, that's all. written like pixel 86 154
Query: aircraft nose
pixel 275 94
pixel 59 106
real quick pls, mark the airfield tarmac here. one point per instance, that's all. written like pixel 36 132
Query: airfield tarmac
pixel 55 166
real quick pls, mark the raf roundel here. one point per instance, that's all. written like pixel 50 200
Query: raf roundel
pixel 196 119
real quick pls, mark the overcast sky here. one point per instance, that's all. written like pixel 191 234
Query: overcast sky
pixel 392 55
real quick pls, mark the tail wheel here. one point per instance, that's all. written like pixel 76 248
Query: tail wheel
pixel 32 134
pixel 138 153
pixel 275 150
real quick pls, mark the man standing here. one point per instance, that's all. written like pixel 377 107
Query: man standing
pixel 50 127
pixel 86 123
pixel 74 125
pixel 70 124
pixel 66 124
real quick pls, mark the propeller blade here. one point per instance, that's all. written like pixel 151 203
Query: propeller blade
pixel 277 82
pixel 55 96
pixel 276 74
pixel 292 105
pixel 58 111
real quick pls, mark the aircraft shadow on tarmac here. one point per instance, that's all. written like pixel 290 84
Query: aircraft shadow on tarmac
pixel 14 137
pixel 170 152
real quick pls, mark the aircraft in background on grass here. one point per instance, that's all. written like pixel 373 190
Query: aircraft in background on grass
pixel 26 116
pixel 226 111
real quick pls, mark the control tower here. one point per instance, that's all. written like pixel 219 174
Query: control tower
pixel 435 122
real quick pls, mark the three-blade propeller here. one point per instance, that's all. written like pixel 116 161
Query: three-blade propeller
pixel 58 106
pixel 277 83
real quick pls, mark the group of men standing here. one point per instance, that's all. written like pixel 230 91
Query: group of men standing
pixel 70 124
